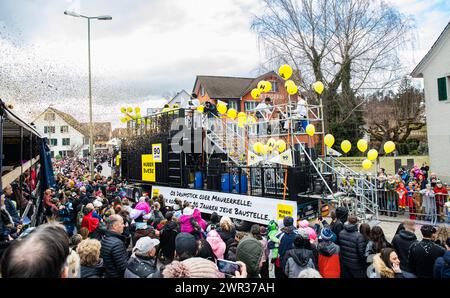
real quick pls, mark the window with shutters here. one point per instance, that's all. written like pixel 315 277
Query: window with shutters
pixel 54 142
pixel 66 142
pixel 49 116
pixel 49 129
pixel 250 105
pixel 442 89
pixel 233 104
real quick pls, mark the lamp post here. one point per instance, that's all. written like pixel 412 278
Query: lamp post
pixel 91 126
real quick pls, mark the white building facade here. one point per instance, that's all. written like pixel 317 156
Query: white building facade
pixel 65 137
pixel 435 71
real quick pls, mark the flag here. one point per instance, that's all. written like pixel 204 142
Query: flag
pixel 253 158
pixel 284 158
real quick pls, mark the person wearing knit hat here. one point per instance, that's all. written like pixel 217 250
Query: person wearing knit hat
pixel 304 224
pixel 287 239
pixel 185 246
pixel 250 251
pixel 192 268
pixel 328 262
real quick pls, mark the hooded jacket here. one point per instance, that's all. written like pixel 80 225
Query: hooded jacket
pixel 442 266
pixel 250 252
pixel 297 260
pixel 382 270
pixel 422 256
pixel 167 239
pixel 341 217
pixel 90 222
pixel 217 244
pixel 401 243
pixel 287 239
pixel 114 254
pixel 227 237
pixel 352 246
pixel 329 264
pixel 186 226
pixel 92 271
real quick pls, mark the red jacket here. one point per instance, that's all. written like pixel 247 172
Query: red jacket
pixel 329 267
pixel 441 195
pixel 89 222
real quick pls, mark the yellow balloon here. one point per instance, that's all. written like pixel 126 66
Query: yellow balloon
pixel 362 145
pixel 310 130
pixel 329 140
pixel 251 119
pixel 264 149
pixel 256 93
pixel 285 71
pixel 138 115
pixel 346 146
pixel 201 109
pixel 366 164
pixel 292 89
pixel 267 86
pixel 271 142
pixel 137 110
pixel 288 83
pixel 123 120
pixel 242 115
pixel 281 145
pixel 257 147
pixel 241 122
pixel 221 108
pixel 262 86
pixel 123 109
pixel 175 106
pixel 232 113
pixel 372 154
pixel 389 147
pixel 149 122
pixel 318 87
pixel 130 110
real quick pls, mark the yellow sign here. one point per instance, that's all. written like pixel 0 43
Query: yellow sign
pixel 155 192
pixel 157 152
pixel 148 168
pixel 118 160
pixel 285 210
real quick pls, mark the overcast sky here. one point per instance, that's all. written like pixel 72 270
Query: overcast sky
pixel 150 48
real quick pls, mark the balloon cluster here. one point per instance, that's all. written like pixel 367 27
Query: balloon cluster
pixel 127 113
pixel 362 146
pixel 231 113
pixel 270 146
pixel 285 72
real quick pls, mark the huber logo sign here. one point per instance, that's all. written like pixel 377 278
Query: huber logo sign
pixel 148 168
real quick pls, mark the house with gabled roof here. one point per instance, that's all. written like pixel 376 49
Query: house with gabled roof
pixel 235 91
pixel 434 68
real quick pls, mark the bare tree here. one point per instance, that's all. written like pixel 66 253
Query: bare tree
pixel 76 149
pixel 349 45
pixel 394 117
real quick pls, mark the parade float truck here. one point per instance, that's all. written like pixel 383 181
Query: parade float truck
pixel 250 167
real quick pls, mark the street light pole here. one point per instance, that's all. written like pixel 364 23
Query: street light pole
pixel 91 125
pixel 91 129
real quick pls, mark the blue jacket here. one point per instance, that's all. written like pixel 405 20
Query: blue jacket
pixel 12 210
pixel 286 243
pixel 442 266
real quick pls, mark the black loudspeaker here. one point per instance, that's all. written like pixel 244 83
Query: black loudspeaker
pixel 213 182
pixel 214 166
pixel 297 182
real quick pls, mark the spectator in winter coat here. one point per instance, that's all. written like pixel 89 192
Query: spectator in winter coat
pixel 205 251
pixel 338 218
pixel 304 225
pixel 353 246
pixel 156 215
pixel 442 265
pixel 214 222
pixel 441 194
pixel 403 241
pixel 231 254
pixel 250 252
pixel 113 250
pixel 91 264
pixel 89 221
pixel 429 204
pixel 255 232
pixel 300 257
pixel 12 210
pixel 217 244
pixel 328 263
pixel 387 264
pixel 192 268
pixel 227 231
pixel 377 241
pixel 167 237
pixel 142 263
pixel 289 232
pixel 423 254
